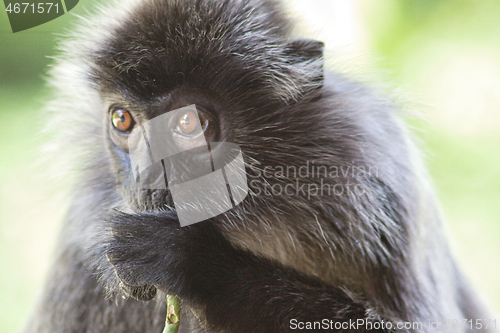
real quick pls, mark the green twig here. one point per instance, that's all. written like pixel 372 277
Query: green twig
pixel 173 315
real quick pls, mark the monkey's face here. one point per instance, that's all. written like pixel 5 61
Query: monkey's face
pixel 178 137
pixel 247 83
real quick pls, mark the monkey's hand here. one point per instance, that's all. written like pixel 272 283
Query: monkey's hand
pixel 238 290
pixel 149 250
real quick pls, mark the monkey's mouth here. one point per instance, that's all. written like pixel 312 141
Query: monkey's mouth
pixel 148 200
pixel 150 190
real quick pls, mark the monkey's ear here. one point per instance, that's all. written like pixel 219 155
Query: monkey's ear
pixel 306 57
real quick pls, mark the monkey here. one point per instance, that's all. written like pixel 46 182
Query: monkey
pixel 339 231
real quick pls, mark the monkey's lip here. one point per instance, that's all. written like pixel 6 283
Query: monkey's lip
pixel 167 211
pixel 147 201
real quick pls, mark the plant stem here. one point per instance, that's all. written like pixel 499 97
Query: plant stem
pixel 173 315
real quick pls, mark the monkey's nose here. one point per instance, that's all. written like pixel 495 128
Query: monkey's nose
pixel 152 177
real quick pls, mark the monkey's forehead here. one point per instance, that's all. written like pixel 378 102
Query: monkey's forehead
pixel 211 44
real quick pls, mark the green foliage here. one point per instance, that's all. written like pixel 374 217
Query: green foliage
pixel 24 56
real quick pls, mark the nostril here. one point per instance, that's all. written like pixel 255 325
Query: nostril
pixel 156 196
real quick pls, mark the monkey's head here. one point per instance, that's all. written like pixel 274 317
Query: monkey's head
pixel 234 60
pixel 253 85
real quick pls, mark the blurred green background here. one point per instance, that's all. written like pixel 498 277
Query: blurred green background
pixel 440 58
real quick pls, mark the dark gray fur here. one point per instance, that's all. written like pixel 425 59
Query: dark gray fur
pixel 381 255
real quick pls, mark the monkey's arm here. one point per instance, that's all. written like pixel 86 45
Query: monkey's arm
pixel 237 290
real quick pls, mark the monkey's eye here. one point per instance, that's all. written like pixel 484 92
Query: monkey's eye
pixel 190 125
pixel 194 129
pixel 122 120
